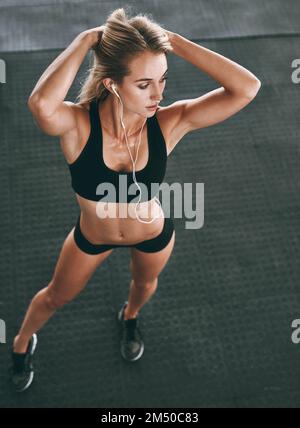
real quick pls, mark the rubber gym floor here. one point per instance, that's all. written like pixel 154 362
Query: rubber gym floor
pixel 218 331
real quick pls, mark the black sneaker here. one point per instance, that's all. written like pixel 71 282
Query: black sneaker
pixel 132 345
pixel 22 366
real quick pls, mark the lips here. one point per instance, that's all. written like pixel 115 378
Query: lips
pixel 155 105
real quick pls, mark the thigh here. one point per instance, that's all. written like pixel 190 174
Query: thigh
pixel 147 266
pixel 73 269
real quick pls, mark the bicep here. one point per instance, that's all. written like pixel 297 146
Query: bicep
pixel 212 107
pixel 60 122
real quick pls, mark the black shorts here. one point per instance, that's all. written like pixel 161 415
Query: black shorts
pixel 148 246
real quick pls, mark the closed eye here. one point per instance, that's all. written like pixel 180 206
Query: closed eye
pixel 146 86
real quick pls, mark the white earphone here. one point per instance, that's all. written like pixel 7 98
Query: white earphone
pixel 133 163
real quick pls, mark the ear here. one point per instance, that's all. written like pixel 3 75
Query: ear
pixel 107 82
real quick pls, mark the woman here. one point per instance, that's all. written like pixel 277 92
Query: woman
pixel 103 139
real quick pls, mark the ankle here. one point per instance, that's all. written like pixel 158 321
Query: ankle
pixel 128 315
pixel 20 347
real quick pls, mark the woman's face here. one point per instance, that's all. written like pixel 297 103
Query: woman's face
pixel 137 93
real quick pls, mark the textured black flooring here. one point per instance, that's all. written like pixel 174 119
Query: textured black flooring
pixel 36 24
pixel 218 330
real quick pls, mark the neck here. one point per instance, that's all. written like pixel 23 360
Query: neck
pixel 111 111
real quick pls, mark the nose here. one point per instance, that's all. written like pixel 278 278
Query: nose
pixel 156 99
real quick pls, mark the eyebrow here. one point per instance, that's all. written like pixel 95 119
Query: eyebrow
pixel 140 80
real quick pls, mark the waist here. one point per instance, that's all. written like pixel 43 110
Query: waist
pixel 118 224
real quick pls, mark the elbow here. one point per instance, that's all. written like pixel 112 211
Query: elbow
pixel 253 89
pixel 34 103
pixel 37 105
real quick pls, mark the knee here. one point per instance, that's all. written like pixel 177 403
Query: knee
pixel 54 300
pixel 146 283
pixel 140 279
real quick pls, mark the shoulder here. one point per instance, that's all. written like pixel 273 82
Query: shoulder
pixel 171 125
pixel 81 115
pixel 72 142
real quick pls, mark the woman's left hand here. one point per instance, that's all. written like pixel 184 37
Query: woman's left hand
pixel 168 34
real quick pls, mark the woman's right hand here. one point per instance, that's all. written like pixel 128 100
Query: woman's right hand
pixel 95 35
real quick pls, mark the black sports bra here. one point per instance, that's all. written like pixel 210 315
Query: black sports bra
pixel 93 180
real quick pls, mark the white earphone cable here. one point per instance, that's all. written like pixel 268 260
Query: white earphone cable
pixel 133 163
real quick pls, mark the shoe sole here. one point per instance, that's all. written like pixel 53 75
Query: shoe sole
pixel 34 338
pixel 135 358
pixel 120 318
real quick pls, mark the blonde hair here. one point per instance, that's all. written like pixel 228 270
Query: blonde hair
pixel 122 39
